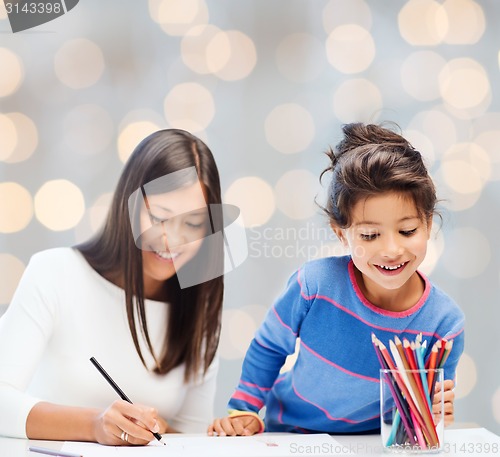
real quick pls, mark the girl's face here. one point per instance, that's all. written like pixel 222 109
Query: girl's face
pixel 176 223
pixel 387 240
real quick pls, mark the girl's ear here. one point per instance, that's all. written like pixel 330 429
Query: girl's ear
pixel 340 234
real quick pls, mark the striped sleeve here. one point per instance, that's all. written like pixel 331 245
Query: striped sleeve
pixel 273 342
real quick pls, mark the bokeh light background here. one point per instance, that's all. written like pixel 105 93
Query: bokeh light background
pixel 267 84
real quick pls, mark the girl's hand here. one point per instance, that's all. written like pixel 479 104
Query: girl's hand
pixel 449 397
pixel 235 426
pixel 123 424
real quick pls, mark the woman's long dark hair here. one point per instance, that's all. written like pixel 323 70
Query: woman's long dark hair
pixel 194 318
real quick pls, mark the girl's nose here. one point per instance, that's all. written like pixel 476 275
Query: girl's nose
pixel 392 248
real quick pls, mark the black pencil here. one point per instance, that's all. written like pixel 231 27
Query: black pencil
pixel 117 389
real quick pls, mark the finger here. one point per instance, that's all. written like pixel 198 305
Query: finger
pixel 227 426
pixel 144 416
pixel 252 426
pixel 217 427
pixel 238 425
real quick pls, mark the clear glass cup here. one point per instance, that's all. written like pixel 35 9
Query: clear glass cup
pixel 407 421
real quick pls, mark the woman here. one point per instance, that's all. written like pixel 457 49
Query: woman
pixel 133 297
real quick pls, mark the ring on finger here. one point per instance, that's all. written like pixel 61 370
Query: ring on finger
pixel 124 436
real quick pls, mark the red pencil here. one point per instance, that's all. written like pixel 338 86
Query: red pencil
pixel 442 349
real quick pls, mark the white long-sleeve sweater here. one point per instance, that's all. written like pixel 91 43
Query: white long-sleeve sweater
pixel 63 313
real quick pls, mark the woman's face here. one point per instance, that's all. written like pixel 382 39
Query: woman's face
pixel 174 225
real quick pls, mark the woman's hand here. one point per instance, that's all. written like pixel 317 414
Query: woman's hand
pixel 123 424
pixel 233 426
pixel 449 397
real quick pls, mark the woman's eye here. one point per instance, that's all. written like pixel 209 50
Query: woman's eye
pixel 368 237
pixel 408 232
pixel 195 226
pixel 156 220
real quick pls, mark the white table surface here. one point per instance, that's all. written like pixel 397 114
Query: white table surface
pixel 468 442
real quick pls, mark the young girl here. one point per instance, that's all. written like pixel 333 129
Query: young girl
pixel 119 298
pixel 381 204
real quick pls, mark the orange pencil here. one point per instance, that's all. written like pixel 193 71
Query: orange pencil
pixel 431 365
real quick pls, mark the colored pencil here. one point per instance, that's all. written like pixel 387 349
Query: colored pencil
pixel 411 390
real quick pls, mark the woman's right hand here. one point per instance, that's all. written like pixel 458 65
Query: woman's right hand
pixel 123 424
pixel 235 426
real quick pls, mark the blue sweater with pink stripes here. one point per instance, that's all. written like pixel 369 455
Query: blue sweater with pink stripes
pixel 333 386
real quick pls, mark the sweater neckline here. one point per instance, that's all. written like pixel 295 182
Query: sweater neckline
pixel 106 282
pixel 384 312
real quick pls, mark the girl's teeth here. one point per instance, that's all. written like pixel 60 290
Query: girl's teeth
pixel 167 255
pixel 392 268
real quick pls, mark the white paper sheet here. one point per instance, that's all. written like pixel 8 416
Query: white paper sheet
pixel 267 445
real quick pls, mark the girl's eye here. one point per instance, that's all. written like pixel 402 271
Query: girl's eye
pixel 369 237
pixel 408 232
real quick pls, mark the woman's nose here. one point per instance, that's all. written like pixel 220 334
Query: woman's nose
pixel 173 234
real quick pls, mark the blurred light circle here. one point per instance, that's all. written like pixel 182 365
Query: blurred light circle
pixel 11 75
pixel 466 168
pixel 300 57
pixel 340 12
pixel 8 137
pixel 16 207
pixel 189 106
pixel 419 75
pixel 254 197
pixel 467 252
pixel 11 270
pixel 466 22
pixel 289 128
pixel 88 129
pixel 422 144
pixel 93 219
pixel 464 83
pixel 495 404
pixel 59 205
pixel 466 376
pixel 350 48
pixel 436 127
pixel 131 135
pixel 79 63
pixel 295 192
pixel 231 55
pixel 291 359
pixel 238 328
pixel 99 210
pixel 194 46
pixel 330 249
pixel 435 248
pixel 489 142
pixel 176 18
pixel 423 22
pixel 357 99
pixel 27 138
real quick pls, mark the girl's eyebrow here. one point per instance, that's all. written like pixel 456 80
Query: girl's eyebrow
pixel 403 219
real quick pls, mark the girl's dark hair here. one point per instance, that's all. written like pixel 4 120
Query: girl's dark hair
pixel 371 160
pixel 194 318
